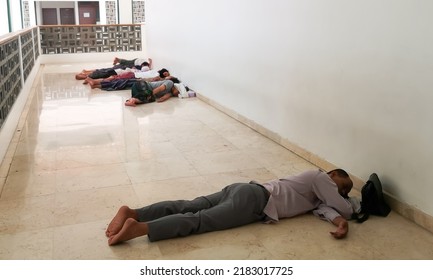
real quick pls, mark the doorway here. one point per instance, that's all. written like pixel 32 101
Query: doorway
pixel 88 12
pixel 49 16
pixel 67 16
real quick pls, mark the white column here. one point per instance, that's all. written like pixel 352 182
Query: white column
pixel 15 13
pixel 125 11
pixel 4 24
pixel 102 12
pixel 77 13
pixel 32 11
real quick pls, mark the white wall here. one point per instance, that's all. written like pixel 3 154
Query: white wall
pixel 15 14
pixel 349 81
pixel 32 13
pixel 125 11
pixel 57 4
pixel 102 12
pixel 4 24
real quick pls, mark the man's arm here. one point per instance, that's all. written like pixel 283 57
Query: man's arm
pixel 342 227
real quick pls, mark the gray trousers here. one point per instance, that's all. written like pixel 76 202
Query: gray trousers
pixel 235 205
pixel 168 86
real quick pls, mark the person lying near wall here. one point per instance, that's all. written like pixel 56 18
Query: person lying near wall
pixel 127 79
pixel 129 63
pixel 158 89
pixel 143 92
pixel 120 81
pixel 115 84
pixel 96 83
pixel 325 194
pixel 184 91
pixel 117 69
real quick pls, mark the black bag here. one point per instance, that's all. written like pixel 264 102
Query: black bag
pixel 372 202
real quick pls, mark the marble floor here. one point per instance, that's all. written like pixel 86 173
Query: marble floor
pixel 79 154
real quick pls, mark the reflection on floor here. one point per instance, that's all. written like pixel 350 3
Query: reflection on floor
pixel 81 154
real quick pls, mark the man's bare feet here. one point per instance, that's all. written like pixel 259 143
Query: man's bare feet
pixel 130 230
pixel 94 84
pixel 116 224
pixel 133 102
pixel 130 102
pixel 81 76
pixel 87 80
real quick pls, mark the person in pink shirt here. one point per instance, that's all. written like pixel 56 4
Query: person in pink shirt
pixel 324 194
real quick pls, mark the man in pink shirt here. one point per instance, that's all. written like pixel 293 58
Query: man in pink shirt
pixel 325 194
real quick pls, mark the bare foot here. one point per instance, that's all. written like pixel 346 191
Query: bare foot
pixel 88 80
pixel 94 84
pixel 80 76
pixel 117 223
pixel 133 102
pixel 130 230
pixel 130 102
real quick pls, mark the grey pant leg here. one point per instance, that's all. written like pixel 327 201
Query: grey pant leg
pixel 239 204
pixel 127 62
pixel 166 208
pixel 168 86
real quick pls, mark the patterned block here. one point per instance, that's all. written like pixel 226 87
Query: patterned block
pixel 10 76
pixel 90 39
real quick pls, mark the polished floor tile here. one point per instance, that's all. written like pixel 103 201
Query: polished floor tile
pixel 81 154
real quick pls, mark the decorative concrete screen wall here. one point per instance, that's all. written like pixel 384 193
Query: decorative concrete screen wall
pixel 36 42
pixel 10 76
pixel 90 38
pixel 27 52
pixel 17 59
pixel 138 8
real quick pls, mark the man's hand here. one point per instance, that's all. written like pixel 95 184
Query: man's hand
pixel 342 228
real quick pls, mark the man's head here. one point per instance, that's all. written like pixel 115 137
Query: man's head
pixel 342 180
pixel 163 73
pixel 144 64
pixel 175 80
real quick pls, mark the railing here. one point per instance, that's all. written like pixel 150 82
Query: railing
pixel 17 59
pixel 57 39
pixel 19 52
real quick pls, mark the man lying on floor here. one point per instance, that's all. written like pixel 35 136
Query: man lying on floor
pixel 239 204
pixel 103 73
pixel 143 92
pixel 160 87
